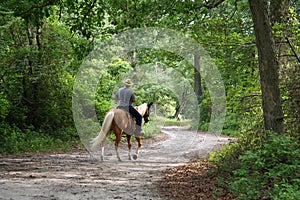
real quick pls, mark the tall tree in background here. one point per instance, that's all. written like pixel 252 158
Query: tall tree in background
pixel 279 17
pixel 268 66
pixel 284 19
pixel 197 79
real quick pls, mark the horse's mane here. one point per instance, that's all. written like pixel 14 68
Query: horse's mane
pixel 142 108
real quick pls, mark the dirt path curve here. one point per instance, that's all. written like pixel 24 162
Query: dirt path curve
pixel 79 176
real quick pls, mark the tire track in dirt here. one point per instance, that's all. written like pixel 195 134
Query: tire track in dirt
pixel 77 175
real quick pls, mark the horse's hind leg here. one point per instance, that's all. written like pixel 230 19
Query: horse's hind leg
pixel 102 150
pixel 129 146
pixel 117 142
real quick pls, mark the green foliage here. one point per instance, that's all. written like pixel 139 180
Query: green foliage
pixel 290 92
pixel 286 191
pixel 4 106
pixel 175 122
pixel 264 170
pixel 36 79
pixel 224 162
pixel 14 140
pixel 152 127
pixel 107 86
pixel 232 124
pixel 230 43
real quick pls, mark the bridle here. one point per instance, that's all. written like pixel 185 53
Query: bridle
pixel 147 113
pixel 146 116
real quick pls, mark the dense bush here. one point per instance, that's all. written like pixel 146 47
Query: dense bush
pixel 270 170
pixel 15 140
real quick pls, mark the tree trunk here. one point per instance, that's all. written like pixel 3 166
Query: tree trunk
pixel 197 79
pixel 279 10
pixel 181 104
pixel 279 13
pixel 29 89
pixel 268 67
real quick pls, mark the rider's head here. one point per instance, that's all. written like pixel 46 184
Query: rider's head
pixel 128 83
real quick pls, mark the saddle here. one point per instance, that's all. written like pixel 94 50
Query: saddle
pixel 128 130
pixel 126 109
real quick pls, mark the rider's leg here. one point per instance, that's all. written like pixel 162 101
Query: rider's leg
pixel 138 118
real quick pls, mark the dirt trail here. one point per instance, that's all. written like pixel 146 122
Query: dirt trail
pixel 77 175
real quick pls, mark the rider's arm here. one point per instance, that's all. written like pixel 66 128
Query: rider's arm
pixel 132 98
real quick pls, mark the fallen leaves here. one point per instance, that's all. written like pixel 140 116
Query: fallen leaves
pixel 191 181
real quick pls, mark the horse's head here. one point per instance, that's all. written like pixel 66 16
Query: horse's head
pixel 147 113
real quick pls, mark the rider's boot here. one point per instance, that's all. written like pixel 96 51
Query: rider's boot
pixel 138 132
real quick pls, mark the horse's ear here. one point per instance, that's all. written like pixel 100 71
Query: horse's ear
pixel 150 104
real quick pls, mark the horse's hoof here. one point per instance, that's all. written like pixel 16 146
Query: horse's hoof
pixel 134 157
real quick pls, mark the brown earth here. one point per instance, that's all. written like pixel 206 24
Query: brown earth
pixel 78 175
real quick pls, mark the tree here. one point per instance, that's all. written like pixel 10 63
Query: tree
pixel 285 20
pixel 268 66
pixel 197 79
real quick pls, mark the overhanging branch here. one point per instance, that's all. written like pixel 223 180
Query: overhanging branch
pixel 214 4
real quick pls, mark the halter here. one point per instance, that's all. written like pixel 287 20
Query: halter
pixel 147 112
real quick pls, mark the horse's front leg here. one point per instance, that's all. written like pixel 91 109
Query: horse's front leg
pixel 129 146
pixel 139 140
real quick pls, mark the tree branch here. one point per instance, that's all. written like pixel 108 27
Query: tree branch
pixel 214 4
pixel 292 48
pixel 37 6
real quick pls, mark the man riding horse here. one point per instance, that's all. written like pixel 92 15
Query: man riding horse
pixel 126 97
pixel 119 121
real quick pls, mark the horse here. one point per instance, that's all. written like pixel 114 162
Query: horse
pixel 120 121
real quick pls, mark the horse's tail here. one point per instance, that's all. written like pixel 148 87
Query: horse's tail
pixel 106 125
